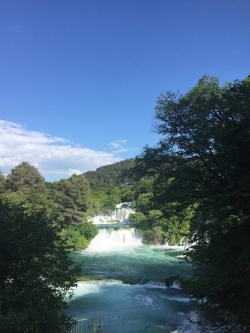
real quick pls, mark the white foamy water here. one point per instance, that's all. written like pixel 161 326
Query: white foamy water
pixel 128 308
pixel 112 238
pixel 120 214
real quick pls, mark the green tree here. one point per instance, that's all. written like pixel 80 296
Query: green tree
pixel 72 196
pixel 2 183
pixel 23 178
pixel 36 274
pixel 144 186
pixel 110 175
pixel 153 236
pixel 113 197
pixel 173 221
pixel 78 237
pixel 127 194
pixel 203 161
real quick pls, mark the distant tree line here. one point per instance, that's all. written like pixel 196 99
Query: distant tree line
pixel 112 175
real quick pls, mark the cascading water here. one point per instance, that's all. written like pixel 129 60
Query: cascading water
pixel 127 288
pixel 120 214
pixel 110 238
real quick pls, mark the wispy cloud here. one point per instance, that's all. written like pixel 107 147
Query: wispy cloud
pixel 55 157
pixel 118 146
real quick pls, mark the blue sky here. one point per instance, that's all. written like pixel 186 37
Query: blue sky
pixel 79 79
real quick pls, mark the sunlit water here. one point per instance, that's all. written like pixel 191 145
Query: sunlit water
pixel 127 290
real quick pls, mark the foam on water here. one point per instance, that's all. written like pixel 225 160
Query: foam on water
pixel 120 214
pixel 112 238
pixel 128 308
pixel 186 326
pixel 175 285
pixel 178 299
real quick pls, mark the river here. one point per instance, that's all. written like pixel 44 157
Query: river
pixel 127 289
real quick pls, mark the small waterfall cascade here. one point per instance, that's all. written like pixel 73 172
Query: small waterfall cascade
pixel 112 238
pixel 119 215
pixel 115 231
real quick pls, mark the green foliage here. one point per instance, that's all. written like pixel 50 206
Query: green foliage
pixel 153 236
pixel 220 286
pixel 38 226
pixel 2 183
pixel 144 186
pixel 201 171
pixel 106 200
pixel 23 178
pixel 69 197
pixel 110 175
pixel 127 194
pixel 113 197
pixel 78 237
pixel 73 238
pixel 36 274
pixel 96 199
pixel 144 202
pixel 88 230
pixel 72 196
pixel 173 219
pixel 137 218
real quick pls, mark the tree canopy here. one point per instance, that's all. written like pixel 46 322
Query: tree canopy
pixel 203 161
pixel 72 196
pixel 111 175
pixel 24 177
pixel 2 183
pixel 36 274
pixel 39 224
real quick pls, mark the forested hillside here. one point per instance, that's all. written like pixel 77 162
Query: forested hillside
pixel 110 175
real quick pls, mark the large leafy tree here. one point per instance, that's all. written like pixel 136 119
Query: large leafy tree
pixel 72 196
pixel 36 274
pixel 24 178
pixel 203 161
pixel 26 182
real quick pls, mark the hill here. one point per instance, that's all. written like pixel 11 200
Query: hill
pixel 110 175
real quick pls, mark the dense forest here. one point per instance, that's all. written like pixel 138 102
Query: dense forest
pixel 111 175
pixel 192 187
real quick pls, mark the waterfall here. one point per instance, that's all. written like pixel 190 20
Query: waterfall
pixel 113 229
pixel 111 238
pixel 120 215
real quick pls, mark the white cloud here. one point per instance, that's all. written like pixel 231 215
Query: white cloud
pixel 74 172
pixel 55 157
pixel 117 145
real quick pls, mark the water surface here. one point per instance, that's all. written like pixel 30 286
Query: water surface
pixel 127 288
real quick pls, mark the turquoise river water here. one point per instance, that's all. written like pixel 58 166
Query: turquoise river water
pixel 127 290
